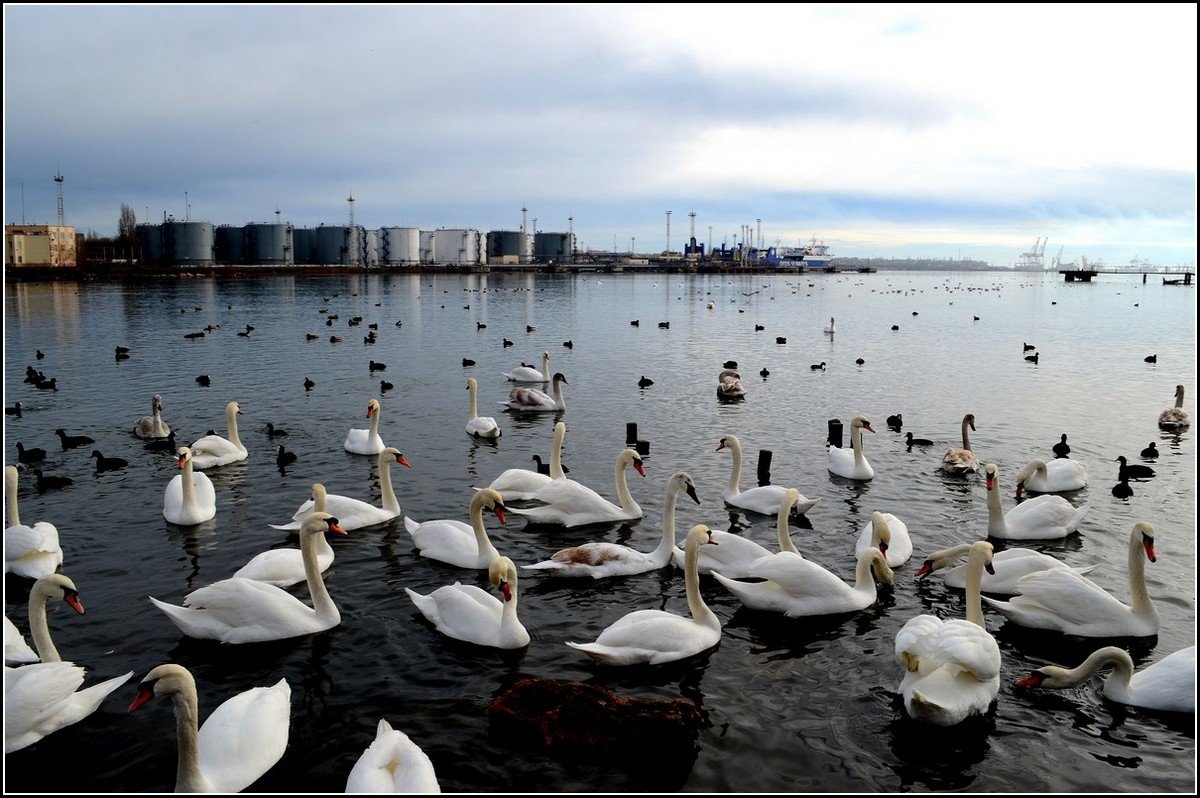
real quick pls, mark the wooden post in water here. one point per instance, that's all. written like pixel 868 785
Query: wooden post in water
pixel 631 433
pixel 835 432
pixel 764 467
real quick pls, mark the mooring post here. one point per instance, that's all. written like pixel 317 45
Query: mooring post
pixel 764 467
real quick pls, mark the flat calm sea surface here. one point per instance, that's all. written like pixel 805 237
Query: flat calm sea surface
pixel 788 705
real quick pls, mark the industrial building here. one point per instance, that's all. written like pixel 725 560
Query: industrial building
pixel 39 245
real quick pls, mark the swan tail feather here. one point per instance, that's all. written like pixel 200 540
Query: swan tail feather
pixel 411 525
pixel 1074 523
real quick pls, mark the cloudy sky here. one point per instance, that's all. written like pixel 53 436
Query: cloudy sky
pixel 887 131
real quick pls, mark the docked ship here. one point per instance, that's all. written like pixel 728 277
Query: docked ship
pixel 816 257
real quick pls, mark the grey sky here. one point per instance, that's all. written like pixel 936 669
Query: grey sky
pixel 885 130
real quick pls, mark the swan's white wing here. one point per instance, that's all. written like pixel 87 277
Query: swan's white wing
pixel 798 576
pixel 916 643
pixel 245 736
pixel 1060 599
pixel 465 612
pixel 566 497
pixel 1048 516
pixel 1169 684
pixel 15 648
pixel 657 631
pixel 392 763
pixel 40 699
pixel 21 540
pixel 969 645
pixel 240 610
pixel 730 557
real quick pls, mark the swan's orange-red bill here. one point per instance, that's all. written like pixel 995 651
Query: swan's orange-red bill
pixel 506 590
pixel 400 459
pixel 144 695
pixel 499 511
pixel 637 464
pixel 72 599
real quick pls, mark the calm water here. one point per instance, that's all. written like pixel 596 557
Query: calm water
pixel 789 705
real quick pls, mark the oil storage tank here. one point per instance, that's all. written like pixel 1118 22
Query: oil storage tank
pixel 188 243
pixel 459 247
pixel 338 244
pixel 229 244
pixel 270 244
pixel 370 247
pixel 552 247
pixel 427 247
pixel 304 245
pixel 504 246
pixel 150 243
pixel 399 246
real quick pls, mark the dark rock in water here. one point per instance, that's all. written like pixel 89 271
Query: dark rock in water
pixel 581 718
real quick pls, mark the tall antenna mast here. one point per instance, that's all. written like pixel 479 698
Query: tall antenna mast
pixel 693 216
pixel 352 233
pixel 668 231
pixel 62 214
pixel 524 257
pixel 760 233
pixel 571 235
pixel 22 202
pixel 187 208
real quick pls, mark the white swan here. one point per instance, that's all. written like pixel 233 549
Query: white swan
pixel 29 551
pixel 569 503
pixel 1064 601
pixel 1008 567
pixel 354 513
pixel 599 560
pixel 525 373
pixel 852 464
pixel 1175 418
pixel 454 542
pixel 960 461
pixel 366 441
pixel 190 497
pixel 468 613
pixel 1056 476
pixel 729 385
pixel 521 483
pixel 952 668
pixel 734 553
pixel 829 329
pixel 1041 518
pixel 392 763
pixel 16 650
pixel 285 567
pixel 655 636
pixel 763 499
pixel 891 532
pixel 798 587
pixel 534 401
pixel 213 450
pixel 152 426
pixel 480 426
pixel 238 742
pixel 1168 685
pixel 41 698
pixel 239 610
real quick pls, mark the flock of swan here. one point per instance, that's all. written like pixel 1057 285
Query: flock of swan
pixel 950 668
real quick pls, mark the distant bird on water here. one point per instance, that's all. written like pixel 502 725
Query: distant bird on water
pixel 1032 358
pixel 384 385
pixel 28 456
pixel 40 354
pixel 309 384
pixel 311 337
pixel 373 366
pixel 1149 451
pixel 895 326
pixel 1061 449
pixel 1028 347
pixel 506 343
pixel 108 463
pixel 468 362
pixel 544 468
pixel 634 323
pixel 730 364
pixel 664 325
pixel 569 344
pixel 911 441
pixel 48 385
pixel 860 361
pixel 15 410
pixel 896 421
pixel 1135 471
pixel 1152 358
pixel 283 457
pixel 203 381
pixel 1122 490
pixel 645 382
pixel 781 340
pixel 71 441
pixel 759 328
pixel 274 433
pixel 818 366
pixel 764 373
pixel 45 483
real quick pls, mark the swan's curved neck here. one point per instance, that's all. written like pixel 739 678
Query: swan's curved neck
pixel 483 544
pixel 558 396
pixel 1142 605
pixel 667 544
pixel 322 603
pixel 691 566
pixel 1179 399
pixel 188 775
pixel 735 478
pixel 996 524
pixel 856 443
pixel 966 443
pixel 508 615
pixel 556 469
pixel 781 527
pixel 390 502
pixel 374 424
pixel 864 580
pixel 39 629
pixel 10 488
pixel 974 578
pixel 231 423
pixel 189 486
pixel 1109 655
pixel 546 365
pixel 474 405
pixel 627 502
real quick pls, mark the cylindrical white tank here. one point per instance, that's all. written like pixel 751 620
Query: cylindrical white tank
pixel 460 247
pixel 427 253
pixel 399 246
pixel 371 247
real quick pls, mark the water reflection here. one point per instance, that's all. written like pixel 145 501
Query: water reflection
pixel 936 757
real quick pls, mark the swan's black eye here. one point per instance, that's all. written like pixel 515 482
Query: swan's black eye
pixel 1148 538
